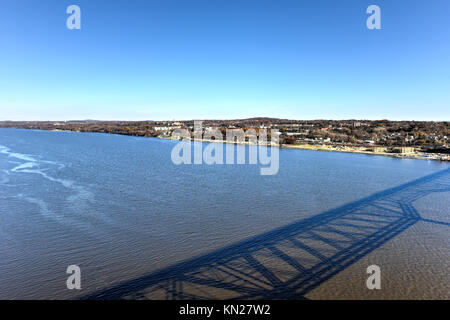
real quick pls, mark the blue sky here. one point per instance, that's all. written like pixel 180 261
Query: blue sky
pixel 192 59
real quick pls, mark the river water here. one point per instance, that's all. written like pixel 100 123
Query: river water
pixel 117 207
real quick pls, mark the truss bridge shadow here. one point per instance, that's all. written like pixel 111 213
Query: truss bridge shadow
pixel 288 262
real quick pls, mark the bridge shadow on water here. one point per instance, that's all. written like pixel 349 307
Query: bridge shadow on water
pixel 288 262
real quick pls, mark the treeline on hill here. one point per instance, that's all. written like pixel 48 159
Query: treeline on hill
pixel 132 128
pixel 378 132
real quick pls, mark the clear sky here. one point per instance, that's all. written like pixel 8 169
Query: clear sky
pixel 191 59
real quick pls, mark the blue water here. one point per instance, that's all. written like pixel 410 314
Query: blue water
pixel 119 208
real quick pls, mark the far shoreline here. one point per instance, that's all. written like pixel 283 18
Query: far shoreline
pixel 327 148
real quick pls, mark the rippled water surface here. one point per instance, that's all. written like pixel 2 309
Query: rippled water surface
pixel 121 210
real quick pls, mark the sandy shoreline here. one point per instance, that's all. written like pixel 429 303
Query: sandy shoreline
pixel 330 148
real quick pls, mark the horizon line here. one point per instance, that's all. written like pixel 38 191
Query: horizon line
pixel 222 119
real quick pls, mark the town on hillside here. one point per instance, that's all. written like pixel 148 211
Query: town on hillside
pixel 424 139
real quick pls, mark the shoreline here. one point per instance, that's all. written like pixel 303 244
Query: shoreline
pixel 415 155
pixel 327 148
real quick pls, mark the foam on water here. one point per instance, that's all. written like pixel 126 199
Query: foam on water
pixel 81 195
pixel 25 165
pixel 21 156
pixel 78 202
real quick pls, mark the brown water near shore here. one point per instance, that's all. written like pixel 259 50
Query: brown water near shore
pixel 414 265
